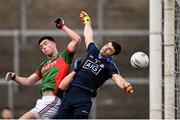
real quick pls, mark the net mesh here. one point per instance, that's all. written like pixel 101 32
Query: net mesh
pixel 177 59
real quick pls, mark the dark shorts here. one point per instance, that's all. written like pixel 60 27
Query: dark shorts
pixel 76 103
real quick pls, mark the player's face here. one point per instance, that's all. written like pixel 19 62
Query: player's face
pixel 6 114
pixel 48 47
pixel 107 50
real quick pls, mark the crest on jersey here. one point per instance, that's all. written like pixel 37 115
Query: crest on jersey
pixel 91 56
pixel 102 65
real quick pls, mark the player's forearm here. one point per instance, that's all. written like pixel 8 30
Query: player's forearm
pixel 66 81
pixel 73 35
pixel 21 80
pixel 27 81
pixel 122 83
pixel 88 33
pixel 119 81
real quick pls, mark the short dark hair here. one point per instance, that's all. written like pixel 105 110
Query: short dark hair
pixel 46 37
pixel 117 48
pixel 5 108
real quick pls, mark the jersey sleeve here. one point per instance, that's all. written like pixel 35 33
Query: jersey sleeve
pixel 69 51
pixel 92 48
pixel 112 69
pixel 38 70
pixel 67 55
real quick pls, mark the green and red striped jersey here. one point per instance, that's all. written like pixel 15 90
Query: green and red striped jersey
pixel 52 71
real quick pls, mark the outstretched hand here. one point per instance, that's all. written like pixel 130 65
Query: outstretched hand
pixel 59 23
pixel 84 17
pixel 10 76
pixel 128 88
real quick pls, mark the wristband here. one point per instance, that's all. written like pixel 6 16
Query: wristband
pixel 61 26
pixel 14 77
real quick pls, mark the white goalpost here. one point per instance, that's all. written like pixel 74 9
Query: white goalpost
pixel 164 59
pixel 155 49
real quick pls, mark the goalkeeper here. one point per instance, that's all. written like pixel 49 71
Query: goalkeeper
pixel 51 71
pixel 97 67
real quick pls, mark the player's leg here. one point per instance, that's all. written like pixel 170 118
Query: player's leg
pixel 65 111
pixel 28 115
pixel 46 107
pixel 82 106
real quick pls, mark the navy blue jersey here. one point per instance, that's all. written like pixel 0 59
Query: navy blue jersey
pixel 95 69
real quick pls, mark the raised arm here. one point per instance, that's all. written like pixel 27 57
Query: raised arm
pixel 75 38
pixel 88 32
pixel 29 81
pixel 121 82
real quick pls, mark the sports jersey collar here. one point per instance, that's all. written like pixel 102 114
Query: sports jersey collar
pixel 108 59
pixel 52 58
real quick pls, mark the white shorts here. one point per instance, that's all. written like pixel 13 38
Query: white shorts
pixel 47 107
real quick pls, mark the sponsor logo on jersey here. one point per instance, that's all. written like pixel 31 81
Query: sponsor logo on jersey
pixel 95 68
pixel 49 65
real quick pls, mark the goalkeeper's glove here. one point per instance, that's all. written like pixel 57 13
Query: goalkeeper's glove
pixel 76 64
pixel 128 88
pixel 59 23
pixel 84 17
pixel 10 76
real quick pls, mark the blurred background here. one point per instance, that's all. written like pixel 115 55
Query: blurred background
pixel 23 22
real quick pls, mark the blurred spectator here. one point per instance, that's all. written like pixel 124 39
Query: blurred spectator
pixel 6 113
